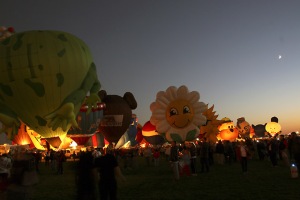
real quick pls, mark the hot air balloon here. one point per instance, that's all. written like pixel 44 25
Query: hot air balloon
pixel 227 130
pixel 87 124
pixel 273 127
pixel 243 127
pixel 259 130
pixel 210 129
pixel 44 79
pixel 116 115
pixel 133 130
pixel 22 138
pixel 151 135
pixel 177 114
pixel 139 135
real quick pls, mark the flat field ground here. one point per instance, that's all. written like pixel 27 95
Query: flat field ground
pixel 262 182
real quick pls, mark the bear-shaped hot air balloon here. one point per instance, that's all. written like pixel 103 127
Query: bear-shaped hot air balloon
pixel 117 115
pixel 45 77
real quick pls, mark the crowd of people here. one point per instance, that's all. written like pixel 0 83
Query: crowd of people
pixel 184 157
pixel 98 171
pixel 21 166
pixel 101 168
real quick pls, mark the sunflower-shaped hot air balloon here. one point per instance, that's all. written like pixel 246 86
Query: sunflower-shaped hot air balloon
pixel 177 114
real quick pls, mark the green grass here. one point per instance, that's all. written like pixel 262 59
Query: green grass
pixel 222 182
pixel 262 182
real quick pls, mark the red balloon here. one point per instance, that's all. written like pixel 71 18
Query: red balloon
pixel 139 135
pixel 11 29
pixel 151 135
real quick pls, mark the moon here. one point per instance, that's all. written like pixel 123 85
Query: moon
pixel 279 57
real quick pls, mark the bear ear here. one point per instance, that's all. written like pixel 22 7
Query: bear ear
pixel 129 98
pixel 102 94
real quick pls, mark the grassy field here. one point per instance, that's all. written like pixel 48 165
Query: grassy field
pixel 262 182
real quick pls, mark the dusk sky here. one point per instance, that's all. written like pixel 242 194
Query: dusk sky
pixel 242 56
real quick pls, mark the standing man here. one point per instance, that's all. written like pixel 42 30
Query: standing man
pixel 108 169
pixel 220 152
pixel 282 150
pixel 193 152
pixel 273 151
pixel 61 158
pixel 147 154
pixel 294 144
pixel 243 154
pixel 204 156
pixel 174 159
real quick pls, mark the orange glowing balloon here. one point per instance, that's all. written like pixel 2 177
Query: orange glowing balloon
pixel 229 134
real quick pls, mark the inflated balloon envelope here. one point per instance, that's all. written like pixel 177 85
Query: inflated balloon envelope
pixel 116 115
pixel 177 114
pixel 87 124
pixel 243 127
pixel 132 130
pixel 210 129
pixel 45 77
pixel 151 135
pixel 259 130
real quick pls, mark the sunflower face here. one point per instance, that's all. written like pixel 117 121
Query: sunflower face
pixel 179 113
